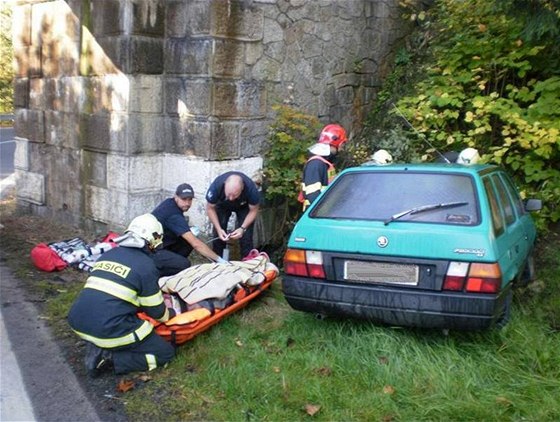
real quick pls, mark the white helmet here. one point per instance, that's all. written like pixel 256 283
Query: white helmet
pixel 468 156
pixel 382 157
pixel 148 228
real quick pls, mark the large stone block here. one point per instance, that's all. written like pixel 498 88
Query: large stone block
pixel 107 18
pixel 61 129
pixel 101 94
pixel 21 154
pixel 237 19
pixel 146 56
pixel 103 56
pixel 134 174
pixel 72 93
pixel 188 137
pixel 187 97
pixel 239 99
pixel 188 56
pixel 225 140
pixel 104 132
pixel 142 203
pixel 106 205
pixel 191 18
pixel 95 169
pixel 21 92
pixel 146 94
pixel 30 124
pixel 30 187
pixel 253 137
pixel 229 58
pixel 148 17
pixel 145 133
pixel 61 57
pixel 45 94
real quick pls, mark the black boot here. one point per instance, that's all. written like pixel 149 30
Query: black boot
pixel 97 360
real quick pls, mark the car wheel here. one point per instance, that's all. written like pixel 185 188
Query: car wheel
pixel 506 311
pixel 528 273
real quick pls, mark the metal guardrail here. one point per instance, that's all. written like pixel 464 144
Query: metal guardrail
pixel 6 117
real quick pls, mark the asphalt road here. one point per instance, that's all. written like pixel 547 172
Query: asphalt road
pixel 36 381
pixel 7 150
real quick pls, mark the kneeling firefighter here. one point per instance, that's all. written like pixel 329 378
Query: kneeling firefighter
pixel 124 281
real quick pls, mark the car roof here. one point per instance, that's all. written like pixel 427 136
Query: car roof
pixel 426 167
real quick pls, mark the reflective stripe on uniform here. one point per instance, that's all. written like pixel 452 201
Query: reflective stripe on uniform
pixel 112 288
pixel 314 187
pixel 122 292
pixel 153 300
pixel 108 343
pixel 165 316
pixel 151 361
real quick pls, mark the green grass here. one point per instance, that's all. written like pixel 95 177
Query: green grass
pixel 268 362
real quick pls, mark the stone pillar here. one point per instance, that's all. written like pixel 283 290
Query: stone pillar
pixel 119 101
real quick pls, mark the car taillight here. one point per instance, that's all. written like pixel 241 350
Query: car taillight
pixel 475 277
pixel 304 263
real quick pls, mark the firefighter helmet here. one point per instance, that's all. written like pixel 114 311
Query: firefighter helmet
pixel 382 157
pixel 333 135
pixel 468 156
pixel 148 228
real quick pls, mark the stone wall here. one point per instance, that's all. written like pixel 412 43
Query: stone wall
pixel 119 101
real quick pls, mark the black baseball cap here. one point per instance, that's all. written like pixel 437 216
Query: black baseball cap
pixel 184 191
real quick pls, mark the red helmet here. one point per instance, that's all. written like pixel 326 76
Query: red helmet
pixel 333 135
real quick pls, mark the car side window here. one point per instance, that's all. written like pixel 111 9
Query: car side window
pixel 514 194
pixel 504 200
pixel 497 218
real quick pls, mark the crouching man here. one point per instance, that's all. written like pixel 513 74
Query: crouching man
pixel 124 281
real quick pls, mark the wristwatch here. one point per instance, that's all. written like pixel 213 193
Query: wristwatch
pixel 243 228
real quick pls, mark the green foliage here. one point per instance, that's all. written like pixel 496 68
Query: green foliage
pixel 291 134
pixel 6 54
pixel 488 88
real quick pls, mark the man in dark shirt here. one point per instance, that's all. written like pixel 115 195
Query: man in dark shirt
pixel 178 240
pixel 233 192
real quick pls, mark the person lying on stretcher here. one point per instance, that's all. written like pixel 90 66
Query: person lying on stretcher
pixel 213 286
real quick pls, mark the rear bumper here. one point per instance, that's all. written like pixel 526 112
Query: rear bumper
pixel 394 306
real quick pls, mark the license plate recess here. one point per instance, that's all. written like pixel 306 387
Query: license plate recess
pixel 381 272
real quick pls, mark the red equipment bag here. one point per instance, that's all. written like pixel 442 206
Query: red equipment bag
pixel 46 259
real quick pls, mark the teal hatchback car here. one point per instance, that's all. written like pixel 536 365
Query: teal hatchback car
pixel 422 245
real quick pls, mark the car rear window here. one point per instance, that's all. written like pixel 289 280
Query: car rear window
pixel 382 195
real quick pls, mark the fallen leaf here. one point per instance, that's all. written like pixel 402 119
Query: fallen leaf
pixel 144 378
pixel 276 369
pixel 324 371
pixel 312 409
pixel 389 389
pixel 503 401
pixel 388 418
pixel 238 343
pixel 125 385
pixel 383 360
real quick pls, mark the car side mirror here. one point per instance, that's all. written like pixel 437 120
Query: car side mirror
pixel 533 205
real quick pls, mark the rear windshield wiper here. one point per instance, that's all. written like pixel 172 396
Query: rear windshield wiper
pixel 424 208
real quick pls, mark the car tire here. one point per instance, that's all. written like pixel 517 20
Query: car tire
pixel 505 316
pixel 528 274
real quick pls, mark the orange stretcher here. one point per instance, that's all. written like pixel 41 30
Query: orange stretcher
pixel 185 326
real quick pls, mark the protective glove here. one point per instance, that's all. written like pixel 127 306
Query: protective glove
pixel 221 260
